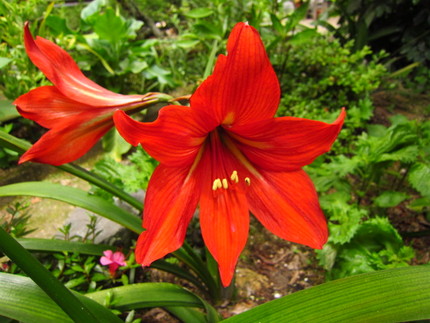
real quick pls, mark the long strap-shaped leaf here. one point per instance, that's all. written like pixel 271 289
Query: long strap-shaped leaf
pixel 63 297
pixel 20 146
pixel 21 299
pixel 55 245
pixel 170 296
pixel 75 197
pixel 393 295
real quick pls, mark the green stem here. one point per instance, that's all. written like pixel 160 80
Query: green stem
pixel 21 146
pixel 211 60
pixel 187 255
pixel 92 178
pixel 44 279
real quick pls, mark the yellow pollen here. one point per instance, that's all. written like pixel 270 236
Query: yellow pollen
pixel 247 181
pixel 224 183
pixel 216 184
pixel 234 177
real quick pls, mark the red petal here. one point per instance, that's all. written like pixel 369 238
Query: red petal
pixel 287 205
pixel 224 215
pixel 63 145
pixel 244 86
pixel 169 206
pixel 50 108
pixel 287 143
pixel 63 72
pixel 174 139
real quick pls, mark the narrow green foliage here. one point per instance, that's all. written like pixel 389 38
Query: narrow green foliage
pixel 395 295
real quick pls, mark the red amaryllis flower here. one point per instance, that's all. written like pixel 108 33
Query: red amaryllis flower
pixel 229 154
pixel 76 110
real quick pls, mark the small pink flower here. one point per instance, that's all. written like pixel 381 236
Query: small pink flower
pixel 113 259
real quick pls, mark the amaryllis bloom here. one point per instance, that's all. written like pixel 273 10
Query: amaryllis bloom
pixel 227 153
pixel 77 111
pixel 113 260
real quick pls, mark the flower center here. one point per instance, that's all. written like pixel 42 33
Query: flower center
pixel 229 167
pixel 219 183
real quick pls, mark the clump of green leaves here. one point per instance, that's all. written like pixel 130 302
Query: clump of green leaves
pixel 107 46
pixel 131 177
pixel 18 75
pixel 16 223
pixel 376 245
pixel 386 167
pixel 321 76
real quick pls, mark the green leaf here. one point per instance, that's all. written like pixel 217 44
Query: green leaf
pixel 376 245
pixel 75 197
pixel 155 295
pixel 344 218
pixel 276 24
pixel 58 25
pixel 187 43
pixel 54 245
pixel 4 61
pixel 115 145
pixel 419 204
pixel 296 16
pixel 406 154
pixel 92 8
pixel 303 36
pixel 419 177
pixel 7 110
pixel 394 295
pixel 22 300
pixel 199 13
pixel 20 146
pixel 390 199
pixel 111 27
pixel 376 130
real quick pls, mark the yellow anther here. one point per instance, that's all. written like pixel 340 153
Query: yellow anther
pixel 234 177
pixel 224 183
pixel 247 181
pixel 216 184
